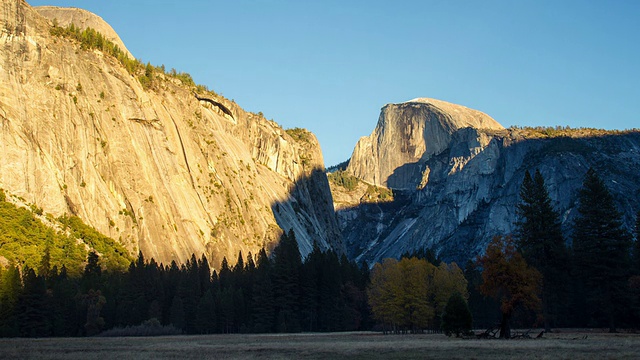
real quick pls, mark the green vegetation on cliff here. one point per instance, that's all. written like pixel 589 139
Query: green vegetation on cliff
pixel 341 178
pixel 91 39
pixel 25 240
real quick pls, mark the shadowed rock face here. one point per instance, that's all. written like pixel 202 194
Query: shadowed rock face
pixel 157 169
pixel 457 186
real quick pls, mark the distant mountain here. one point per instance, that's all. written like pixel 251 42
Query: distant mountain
pixel 455 175
pixel 145 156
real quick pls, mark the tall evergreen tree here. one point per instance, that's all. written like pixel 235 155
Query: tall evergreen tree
pixel 541 243
pixel 176 313
pixel 286 281
pixel 263 295
pixel 206 318
pixel 10 289
pixel 601 247
pixel 92 272
pixel 34 306
pixel 456 319
pixel 636 252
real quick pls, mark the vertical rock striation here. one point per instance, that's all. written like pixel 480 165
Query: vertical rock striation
pixel 456 176
pixel 158 169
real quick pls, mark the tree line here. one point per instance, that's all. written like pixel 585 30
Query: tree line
pixel 537 275
pixel 280 293
pixel 534 277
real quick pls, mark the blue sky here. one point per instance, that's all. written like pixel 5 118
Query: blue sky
pixel 329 66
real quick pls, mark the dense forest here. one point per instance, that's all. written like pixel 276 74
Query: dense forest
pixel 529 278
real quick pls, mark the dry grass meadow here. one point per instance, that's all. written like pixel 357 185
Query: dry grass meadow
pixel 562 345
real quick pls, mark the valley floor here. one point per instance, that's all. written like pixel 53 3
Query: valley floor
pixel 568 344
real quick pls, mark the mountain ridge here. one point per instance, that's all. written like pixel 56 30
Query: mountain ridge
pixel 453 200
pixel 151 166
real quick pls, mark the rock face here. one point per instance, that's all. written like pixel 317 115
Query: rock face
pixel 82 19
pixel 408 134
pixel 456 178
pixel 160 170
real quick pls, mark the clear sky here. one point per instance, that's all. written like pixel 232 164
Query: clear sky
pixel 330 65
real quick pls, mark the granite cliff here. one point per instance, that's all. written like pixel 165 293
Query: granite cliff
pixel 455 174
pixel 160 168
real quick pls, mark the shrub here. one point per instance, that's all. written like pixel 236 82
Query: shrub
pixel 151 327
pixel 343 179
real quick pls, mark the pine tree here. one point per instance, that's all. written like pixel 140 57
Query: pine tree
pixel 541 243
pixel 225 275
pixel 93 302
pixel 34 306
pixel 10 290
pixel 309 276
pixel 636 251
pixel 601 246
pixel 263 295
pixel 456 319
pixel 92 273
pixel 206 314
pixel 176 314
pixel 286 282
pixel 65 320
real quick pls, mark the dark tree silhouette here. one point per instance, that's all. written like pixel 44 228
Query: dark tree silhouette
pixel 601 248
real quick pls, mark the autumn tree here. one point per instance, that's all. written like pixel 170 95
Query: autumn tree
pixel 411 294
pixel 509 279
pixel 601 249
pixel 447 280
pixel 541 243
pixel 412 298
pixel 382 291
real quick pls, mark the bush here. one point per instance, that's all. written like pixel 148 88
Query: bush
pixel 151 327
pixel 341 178
pixel 457 318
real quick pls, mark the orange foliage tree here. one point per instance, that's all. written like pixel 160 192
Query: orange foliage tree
pixel 508 278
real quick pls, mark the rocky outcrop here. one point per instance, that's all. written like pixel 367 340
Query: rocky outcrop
pixel 407 135
pixel 158 170
pixel 83 19
pixel 462 187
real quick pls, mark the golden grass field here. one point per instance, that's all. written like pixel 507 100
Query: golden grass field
pixel 562 345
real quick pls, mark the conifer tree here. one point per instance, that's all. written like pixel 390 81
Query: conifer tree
pixel 541 243
pixel 64 311
pixel 263 295
pixel 176 315
pixel 10 289
pixel 309 277
pixel 34 306
pixel 225 275
pixel 456 319
pixel 92 272
pixel 206 314
pixel 286 281
pixel 601 247
pixel 329 297
pixel 636 251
